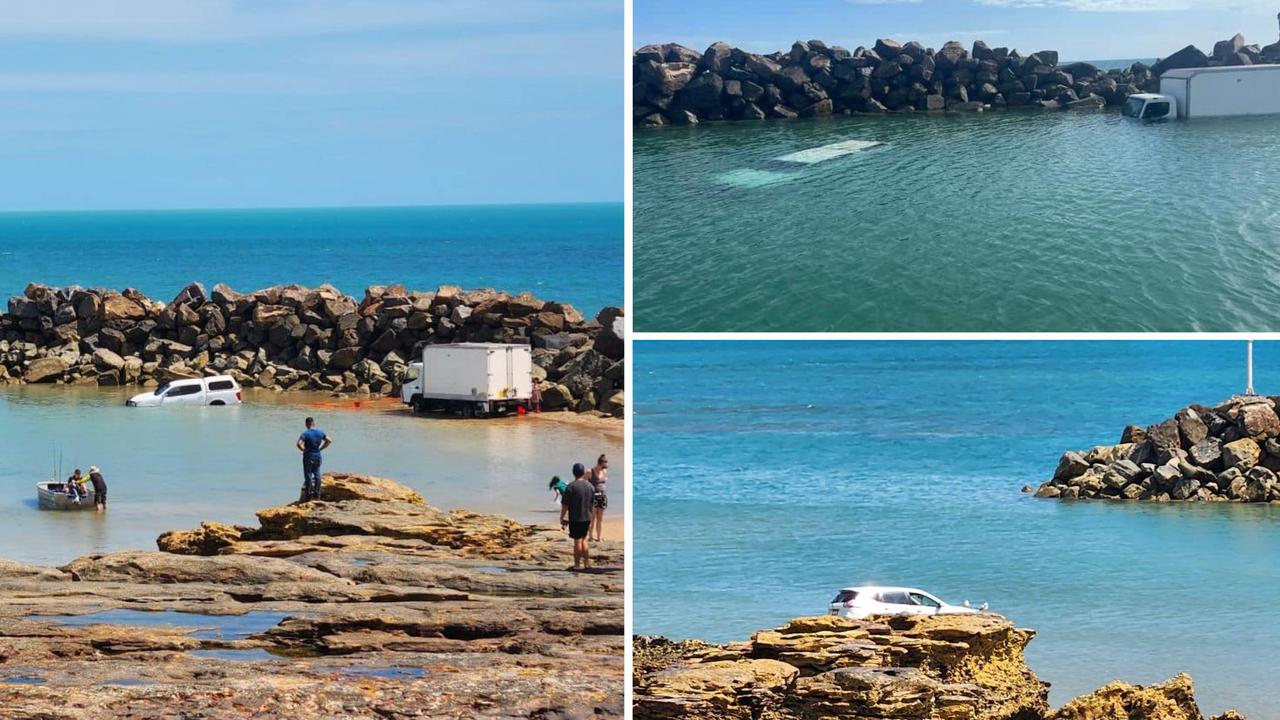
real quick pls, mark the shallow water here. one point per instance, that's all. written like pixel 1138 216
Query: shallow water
pixel 768 475
pixel 567 253
pixel 1005 221
pixel 171 468
pixel 207 627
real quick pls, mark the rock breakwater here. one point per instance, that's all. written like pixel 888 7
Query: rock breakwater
pixel 677 85
pixel 1226 453
pixel 949 667
pixel 296 338
pixel 369 604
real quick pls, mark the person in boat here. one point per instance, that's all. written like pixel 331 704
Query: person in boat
pixel 599 476
pixel 75 486
pixel 99 488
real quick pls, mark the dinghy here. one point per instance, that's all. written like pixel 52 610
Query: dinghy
pixel 54 496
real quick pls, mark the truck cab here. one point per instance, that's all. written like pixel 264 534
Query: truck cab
pixel 1151 106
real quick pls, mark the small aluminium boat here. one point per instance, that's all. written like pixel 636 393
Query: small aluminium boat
pixel 54 496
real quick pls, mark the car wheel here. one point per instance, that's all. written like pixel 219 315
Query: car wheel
pixel 217 402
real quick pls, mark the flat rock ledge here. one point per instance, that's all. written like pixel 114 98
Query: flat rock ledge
pixel 1226 453
pixel 956 667
pixel 369 603
pixel 290 337
pixel 676 85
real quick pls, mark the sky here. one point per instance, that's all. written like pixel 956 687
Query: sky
pixel 141 104
pixel 1079 29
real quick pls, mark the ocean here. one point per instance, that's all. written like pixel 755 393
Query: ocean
pixel 172 468
pixel 566 253
pixel 767 475
pixel 1002 221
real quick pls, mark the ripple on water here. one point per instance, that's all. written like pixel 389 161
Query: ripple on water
pixel 1005 221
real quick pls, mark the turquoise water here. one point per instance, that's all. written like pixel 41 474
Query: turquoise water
pixel 1003 221
pixel 567 253
pixel 767 475
pixel 171 468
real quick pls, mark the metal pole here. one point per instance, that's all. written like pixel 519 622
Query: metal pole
pixel 1249 387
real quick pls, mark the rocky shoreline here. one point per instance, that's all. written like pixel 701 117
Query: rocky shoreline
pixel 676 85
pixel 948 667
pixel 370 604
pixel 296 338
pixel 1226 453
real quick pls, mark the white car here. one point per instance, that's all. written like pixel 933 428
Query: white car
pixel 215 390
pixel 857 603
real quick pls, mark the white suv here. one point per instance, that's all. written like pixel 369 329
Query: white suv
pixel 858 603
pixel 215 390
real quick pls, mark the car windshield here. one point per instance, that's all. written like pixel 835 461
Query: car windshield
pixel 925 600
pixel 162 389
pixel 1133 107
pixel 844 596
pixel 1155 110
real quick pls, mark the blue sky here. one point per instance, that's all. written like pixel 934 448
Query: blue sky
pixel 1080 29
pixel 108 104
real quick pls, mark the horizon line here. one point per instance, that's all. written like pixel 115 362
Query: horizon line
pixel 393 206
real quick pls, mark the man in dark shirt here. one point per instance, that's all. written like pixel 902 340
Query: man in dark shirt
pixel 99 489
pixel 575 514
pixel 311 443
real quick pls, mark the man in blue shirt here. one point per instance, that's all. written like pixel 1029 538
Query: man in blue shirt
pixel 311 443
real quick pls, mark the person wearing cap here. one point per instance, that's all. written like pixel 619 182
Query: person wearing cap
pixel 99 488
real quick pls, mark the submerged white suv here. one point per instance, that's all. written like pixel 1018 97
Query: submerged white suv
pixel 215 390
pixel 858 603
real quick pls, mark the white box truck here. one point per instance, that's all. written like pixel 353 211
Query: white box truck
pixel 474 379
pixel 1210 92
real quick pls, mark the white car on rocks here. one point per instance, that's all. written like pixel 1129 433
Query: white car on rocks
pixel 858 603
pixel 215 390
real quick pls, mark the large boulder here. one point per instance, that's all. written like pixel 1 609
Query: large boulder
pixel 1258 420
pixel 47 369
pixel 1188 57
pixel 1243 453
pixel 118 307
pixel 610 341
pixel 1171 700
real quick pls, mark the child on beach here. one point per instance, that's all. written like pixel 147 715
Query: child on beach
pixel 557 486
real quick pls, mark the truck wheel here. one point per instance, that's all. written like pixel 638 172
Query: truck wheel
pixel 419 405
pixel 468 411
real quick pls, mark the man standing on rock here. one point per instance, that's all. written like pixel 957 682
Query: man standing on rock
pixel 311 443
pixel 575 514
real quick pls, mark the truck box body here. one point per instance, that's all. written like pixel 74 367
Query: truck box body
pixel 1224 91
pixel 477 371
